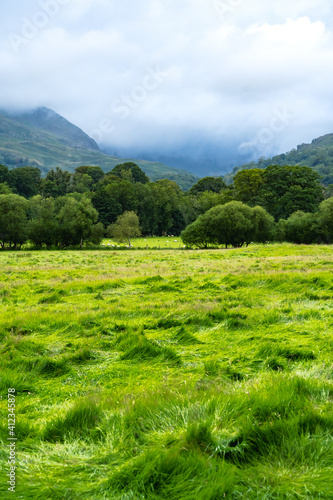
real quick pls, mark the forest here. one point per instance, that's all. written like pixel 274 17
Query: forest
pixel 280 203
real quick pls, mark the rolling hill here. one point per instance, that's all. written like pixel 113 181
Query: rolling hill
pixel 44 139
pixel 317 155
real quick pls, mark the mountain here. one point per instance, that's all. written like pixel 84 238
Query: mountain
pixel 317 155
pixel 44 139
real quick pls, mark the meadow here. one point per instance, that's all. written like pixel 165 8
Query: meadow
pixel 158 374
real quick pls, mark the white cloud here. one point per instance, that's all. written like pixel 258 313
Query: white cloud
pixel 224 77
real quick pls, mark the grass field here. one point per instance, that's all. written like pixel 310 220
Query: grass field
pixel 172 375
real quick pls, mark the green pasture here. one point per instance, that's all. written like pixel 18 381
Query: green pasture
pixel 179 375
pixel 156 243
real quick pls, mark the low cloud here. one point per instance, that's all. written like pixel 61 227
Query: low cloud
pixel 163 76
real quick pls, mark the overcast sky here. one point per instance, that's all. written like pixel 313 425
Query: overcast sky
pixel 216 81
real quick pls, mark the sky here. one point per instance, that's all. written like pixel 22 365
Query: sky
pixel 200 84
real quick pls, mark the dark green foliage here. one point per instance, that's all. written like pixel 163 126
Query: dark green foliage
pixel 325 220
pixel 318 155
pixel 13 220
pixel 131 172
pixel 56 183
pixel 288 189
pixel 302 227
pixel 42 227
pixel 75 220
pixel 231 224
pixel 196 235
pixel 25 181
pixel 213 184
pixel 248 184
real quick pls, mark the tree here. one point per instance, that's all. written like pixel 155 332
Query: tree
pixel 231 224
pixel 130 171
pixel 301 227
pixel 13 220
pixel 42 227
pixel 125 227
pixel 115 198
pixel 96 173
pixel 56 183
pixel 195 234
pixel 263 225
pixel 248 184
pixel 212 184
pixel 4 174
pixel 325 220
pixel 4 188
pixel 288 189
pixel 76 220
pixel 25 181
pixel 168 201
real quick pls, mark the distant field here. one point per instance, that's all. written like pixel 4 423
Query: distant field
pixel 179 375
pixel 158 242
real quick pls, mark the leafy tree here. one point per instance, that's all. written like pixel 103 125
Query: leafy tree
pixel 4 174
pixel 130 171
pixel 263 224
pixel 212 184
pixel 25 181
pixel 115 198
pixel 4 188
pixel 76 220
pixel 248 184
pixel 97 233
pixel 288 189
pixel 56 183
pixel 96 173
pixel 13 220
pixel 301 227
pixel 125 227
pixel 229 224
pixel 195 234
pixel 42 226
pixel 168 201
pixel 325 220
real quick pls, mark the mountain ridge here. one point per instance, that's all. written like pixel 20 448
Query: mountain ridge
pixel 318 155
pixel 44 139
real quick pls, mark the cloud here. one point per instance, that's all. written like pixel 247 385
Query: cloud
pixel 166 75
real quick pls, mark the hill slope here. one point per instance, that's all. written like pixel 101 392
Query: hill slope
pixel 317 155
pixel 44 139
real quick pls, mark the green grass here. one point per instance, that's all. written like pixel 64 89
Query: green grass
pixel 174 375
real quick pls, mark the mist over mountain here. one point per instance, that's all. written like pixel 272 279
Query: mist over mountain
pixel 44 139
pixel 47 120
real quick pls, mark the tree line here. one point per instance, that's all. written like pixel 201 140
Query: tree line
pixel 64 209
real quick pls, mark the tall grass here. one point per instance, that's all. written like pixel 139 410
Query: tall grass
pixel 178 375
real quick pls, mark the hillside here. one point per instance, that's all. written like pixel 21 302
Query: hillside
pixel 44 139
pixel 317 155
